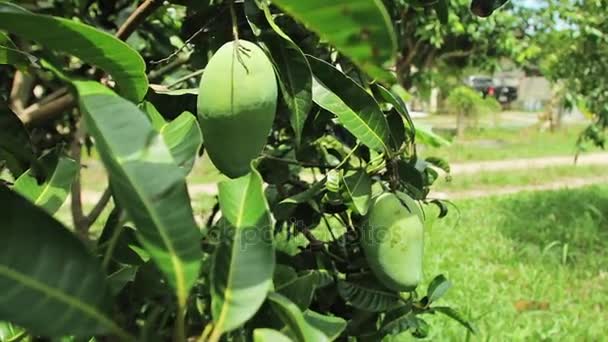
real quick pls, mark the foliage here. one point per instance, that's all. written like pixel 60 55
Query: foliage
pixel 155 272
pixel 575 56
pixel 469 103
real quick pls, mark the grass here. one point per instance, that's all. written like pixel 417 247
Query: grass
pixel 530 266
pixel 508 143
pixel 493 180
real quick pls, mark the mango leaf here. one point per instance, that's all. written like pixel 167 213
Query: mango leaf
pixel 438 287
pixel 289 313
pixel 397 103
pixel 243 263
pixel 15 146
pixel 485 8
pixel 269 335
pixel 182 135
pixel 50 194
pixel 355 108
pixel 300 290
pixel 425 135
pixel 331 326
pixel 10 332
pixel 91 45
pixel 146 182
pixel 360 29
pixel 10 54
pixel 367 296
pixel 453 314
pixel 184 139
pixel 440 163
pixel 293 71
pixel 359 188
pixel 69 295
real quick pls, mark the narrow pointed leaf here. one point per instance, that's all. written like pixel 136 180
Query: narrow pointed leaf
pixel 453 314
pixel 184 139
pixel 367 296
pixel 243 263
pixel 146 182
pixel 83 41
pixel 356 109
pixel 59 288
pixel 293 71
pixel 289 313
pixel 331 326
pixel 359 188
pixel 438 287
pixel 10 54
pixel 182 135
pixel 360 29
pixel 397 103
pixel 50 194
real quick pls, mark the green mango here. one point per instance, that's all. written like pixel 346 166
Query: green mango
pixel 237 102
pixel 393 242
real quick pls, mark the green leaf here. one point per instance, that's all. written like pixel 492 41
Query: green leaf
pixel 50 194
pixel 184 139
pixel 289 313
pixel 331 326
pixel 269 335
pixel 456 316
pixel 10 54
pixel 360 29
pixel 397 103
pixel 438 287
pixel 425 135
pixel 182 135
pixel 89 44
pixel 440 163
pixel 146 182
pixel 15 146
pixel 9 332
pixel 243 264
pixel 300 290
pixel 359 188
pixel 355 108
pixel 293 71
pixel 367 296
pixel 121 277
pixel 59 288
pixel 485 8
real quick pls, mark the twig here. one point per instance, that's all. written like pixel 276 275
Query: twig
pixel 137 17
pixel 80 221
pixel 99 207
pixel 185 78
pixel 187 42
pixel 52 106
pixel 21 91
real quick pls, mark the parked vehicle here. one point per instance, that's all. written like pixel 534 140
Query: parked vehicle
pixel 505 94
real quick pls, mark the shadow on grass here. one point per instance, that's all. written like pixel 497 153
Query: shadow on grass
pixel 567 225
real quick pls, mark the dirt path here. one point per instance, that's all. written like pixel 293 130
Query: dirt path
pixel 195 190
pixel 600 158
pixel 564 183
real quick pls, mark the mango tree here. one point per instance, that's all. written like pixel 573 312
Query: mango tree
pixel 316 232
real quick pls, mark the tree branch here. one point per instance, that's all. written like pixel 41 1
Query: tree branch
pixel 99 207
pixel 50 107
pixel 137 17
pixel 80 220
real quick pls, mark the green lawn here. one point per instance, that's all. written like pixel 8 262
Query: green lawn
pixel 494 180
pixel 544 250
pixel 508 143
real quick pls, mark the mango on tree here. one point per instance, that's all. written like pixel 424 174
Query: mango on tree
pixel 393 241
pixel 236 105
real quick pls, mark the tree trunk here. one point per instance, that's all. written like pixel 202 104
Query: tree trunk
pixel 460 124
